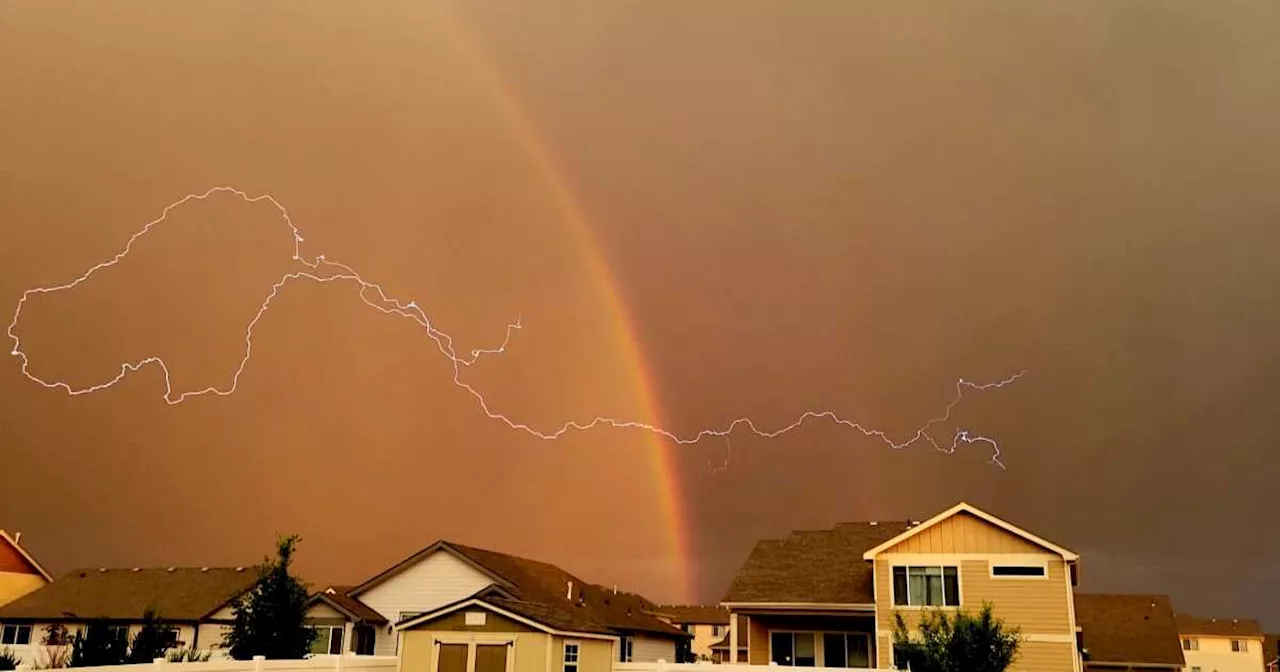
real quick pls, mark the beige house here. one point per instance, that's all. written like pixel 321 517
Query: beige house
pixel 496 634
pixel 1121 633
pixel 1221 645
pixel 19 573
pixel 707 624
pixel 720 649
pixel 828 597
pixel 370 617
pixel 194 602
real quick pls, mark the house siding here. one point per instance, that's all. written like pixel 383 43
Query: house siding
pixel 1040 607
pixel 1215 654
pixel 652 649
pixel 16 584
pixel 432 582
pixel 594 655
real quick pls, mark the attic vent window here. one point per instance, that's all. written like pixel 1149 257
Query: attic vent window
pixel 475 618
pixel 1019 571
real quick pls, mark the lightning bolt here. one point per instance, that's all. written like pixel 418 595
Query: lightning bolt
pixel 321 270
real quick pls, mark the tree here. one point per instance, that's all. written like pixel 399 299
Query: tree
pixel 963 643
pixel 151 641
pixel 57 648
pixel 270 620
pixel 98 644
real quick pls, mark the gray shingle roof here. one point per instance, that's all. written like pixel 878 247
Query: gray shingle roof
pixel 185 593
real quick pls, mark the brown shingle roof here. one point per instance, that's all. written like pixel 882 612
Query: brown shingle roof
pixel 694 613
pixel 545 586
pixel 1218 627
pixel 1130 629
pixel 353 606
pixel 821 566
pixel 558 617
pixel 185 593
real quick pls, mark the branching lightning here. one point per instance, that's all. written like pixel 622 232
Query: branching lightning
pixel 321 270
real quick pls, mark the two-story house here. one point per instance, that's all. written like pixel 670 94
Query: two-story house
pixel 1221 644
pixel 707 624
pixel 827 598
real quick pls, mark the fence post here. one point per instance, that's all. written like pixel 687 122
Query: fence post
pixel 258 663
pixel 662 665
pixel 337 663
pixel 158 663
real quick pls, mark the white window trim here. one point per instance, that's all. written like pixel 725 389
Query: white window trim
pixel 893 599
pixel 564 654
pixel 1042 564
pixel 17 628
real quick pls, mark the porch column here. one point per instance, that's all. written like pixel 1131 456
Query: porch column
pixel 733 639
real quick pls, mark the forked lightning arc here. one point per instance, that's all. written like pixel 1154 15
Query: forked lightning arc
pixel 321 270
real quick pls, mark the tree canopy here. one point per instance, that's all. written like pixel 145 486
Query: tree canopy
pixel 270 620
pixel 959 643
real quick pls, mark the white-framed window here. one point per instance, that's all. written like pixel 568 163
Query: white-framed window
pixel 328 639
pixel 625 654
pixel 846 649
pixel 16 635
pixel 793 649
pixel 719 630
pixel 1195 669
pixel 1190 644
pixel 571 656
pixel 926 586
pixel 119 632
pixel 1019 571
pixel 1239 646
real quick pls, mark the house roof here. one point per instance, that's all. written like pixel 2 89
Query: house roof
pixel 22 553
pixel 1218 627
pixel 545 586
pixel 1129 629
pixel 353 608
pixel 694 614
pixel 813 567
pixel 551 618
pixel 722 644
pixel 185 593
pixel 964 507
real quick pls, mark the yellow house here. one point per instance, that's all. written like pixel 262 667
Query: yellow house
pixel 827 598
pixel 19 572
pixel 1221 644
pixel 494 634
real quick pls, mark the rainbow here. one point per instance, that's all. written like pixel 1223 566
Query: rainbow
pixel 522 126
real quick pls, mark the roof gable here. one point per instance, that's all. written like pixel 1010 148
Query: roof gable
pixel 411 561
pixel 961 509
pixel 539 617
pixel 14 558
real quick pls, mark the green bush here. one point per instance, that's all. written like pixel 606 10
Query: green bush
pixel 960 643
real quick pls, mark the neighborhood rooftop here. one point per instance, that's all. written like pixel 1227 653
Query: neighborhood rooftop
pixel 813 566
pixel 1219 627
pixel 1129 629
pixel 174 593
pixel 695 614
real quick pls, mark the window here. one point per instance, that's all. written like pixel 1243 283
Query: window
pixel 851 649
pixel 570 657
pixel 1195 669
pixel 17 635
pixel 169 638
pixel 328 640
pixel 687 627
pixel 624 654
pixel 406 615
pixel 1239 646
pixel 719 630
pixel 119 632
pixel 1189 644
pixel 1019 571
pixel 793 649
pixel 926 587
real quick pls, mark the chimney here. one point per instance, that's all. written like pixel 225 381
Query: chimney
pixel 615 589
pixel 569 594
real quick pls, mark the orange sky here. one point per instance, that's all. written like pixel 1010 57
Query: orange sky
pixel 805 205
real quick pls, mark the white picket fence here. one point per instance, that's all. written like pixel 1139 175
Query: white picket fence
pixel 259 664
pixel 663 666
